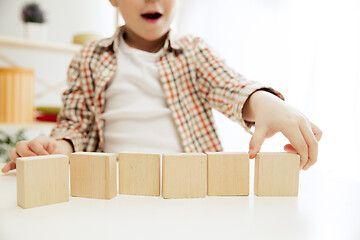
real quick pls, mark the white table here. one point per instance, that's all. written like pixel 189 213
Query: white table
pixel 327 207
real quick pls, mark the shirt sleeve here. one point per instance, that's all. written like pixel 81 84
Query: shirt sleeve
pixel 223 88
pixel 74 117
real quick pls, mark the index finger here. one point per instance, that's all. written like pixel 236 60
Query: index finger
pixel 297 140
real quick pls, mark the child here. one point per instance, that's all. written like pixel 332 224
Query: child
pixel 159 93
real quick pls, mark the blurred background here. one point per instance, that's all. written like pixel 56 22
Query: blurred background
pixel 307 49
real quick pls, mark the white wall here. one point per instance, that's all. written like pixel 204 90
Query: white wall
pixel 307 49
pixel 65 18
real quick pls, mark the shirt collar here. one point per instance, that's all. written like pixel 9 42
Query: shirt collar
pixel 169 46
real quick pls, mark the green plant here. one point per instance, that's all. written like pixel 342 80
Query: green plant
pixel 9 141
pixel 32 12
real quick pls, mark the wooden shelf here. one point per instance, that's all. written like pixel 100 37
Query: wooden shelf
pixel 33 125
pixel 47 46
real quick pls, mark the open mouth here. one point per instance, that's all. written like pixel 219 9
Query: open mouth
pixel 151 16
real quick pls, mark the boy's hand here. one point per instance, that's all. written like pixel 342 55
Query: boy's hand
pixel 272 115
pixel 36 147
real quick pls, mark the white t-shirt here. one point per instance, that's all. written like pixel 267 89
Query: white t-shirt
pixel 136 115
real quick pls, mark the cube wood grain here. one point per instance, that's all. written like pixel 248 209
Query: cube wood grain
pixel 139 174
pixel 42 180
pixel 277 174
pixel 93 175
pixel 228 174
pixel 184 175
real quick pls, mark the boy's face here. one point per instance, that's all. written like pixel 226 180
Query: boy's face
pixel 150 19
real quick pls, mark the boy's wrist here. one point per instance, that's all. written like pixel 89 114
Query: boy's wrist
pixel 254 102
pixel 249 109
pixel 64 146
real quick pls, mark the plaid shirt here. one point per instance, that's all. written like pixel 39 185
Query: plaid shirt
pixel 194 81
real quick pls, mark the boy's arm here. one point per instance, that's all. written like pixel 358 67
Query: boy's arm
pixel 251 103
pixel 223 88
pixel 74 117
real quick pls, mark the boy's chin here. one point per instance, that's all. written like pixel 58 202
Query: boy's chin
pixel 154 36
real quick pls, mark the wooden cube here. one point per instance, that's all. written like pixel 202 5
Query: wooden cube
pixel 93 175
pixel 277 174
pixel 184 175
pixel 42 180
pixel 139 174
pixel 228 174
